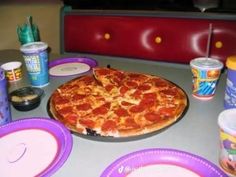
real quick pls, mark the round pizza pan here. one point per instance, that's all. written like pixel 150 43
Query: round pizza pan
pixel 91 135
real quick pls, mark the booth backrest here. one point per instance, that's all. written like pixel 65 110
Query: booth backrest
pixel 148 37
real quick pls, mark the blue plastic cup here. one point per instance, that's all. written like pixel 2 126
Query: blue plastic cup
pixel 36 59
pixel 230 89
pixel 5 111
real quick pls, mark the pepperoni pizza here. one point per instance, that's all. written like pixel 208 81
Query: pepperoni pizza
pixel 117 103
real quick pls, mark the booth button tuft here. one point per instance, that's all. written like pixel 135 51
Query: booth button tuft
pixel 218 44
pixel 158 39
pixel 107 36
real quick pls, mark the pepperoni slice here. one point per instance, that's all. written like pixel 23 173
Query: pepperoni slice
pixel 125 103
pixel 144 87
pixel 102 109
pixel 149 99
pixel 107 105
pixel 148 102
pixel 131 84
pixel 159 82
pixel 103 71
pixel 59 100
pixel 71 119
pixel 116 81
pixel 119 75
pixel 109 125
pixel 129 122
pixel 109 87
pixel 87 123
pixel 167 112
pixel 83 107
pixel 136 76
pixel 78 97
pixel 153 117
pixel 150 95
pixel 123 90
pixel 65 110
pixel 121 112
pixel 137 94
pixel 171 92
pixel 137 109
pixel 99 98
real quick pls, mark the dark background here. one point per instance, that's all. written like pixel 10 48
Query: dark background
pixel 225 6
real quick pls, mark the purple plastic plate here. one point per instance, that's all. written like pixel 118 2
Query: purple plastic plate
pixel 162 162
pixel 71 66
pixel 33 147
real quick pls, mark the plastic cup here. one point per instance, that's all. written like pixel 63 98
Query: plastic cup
pixel 227 125
pixel 5 109
pixel 230 89
pixel 206 73
pixel 13 71
pixel 36 59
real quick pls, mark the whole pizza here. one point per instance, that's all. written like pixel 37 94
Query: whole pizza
pixel 116 103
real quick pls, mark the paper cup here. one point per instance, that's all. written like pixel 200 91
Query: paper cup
pixel 206 72
pixel 13 71
pixel 227 125
pixel 36 59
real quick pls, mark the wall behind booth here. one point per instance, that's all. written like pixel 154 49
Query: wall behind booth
pixel 45 13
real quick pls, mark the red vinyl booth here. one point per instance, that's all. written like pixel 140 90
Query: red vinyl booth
pixel 175 38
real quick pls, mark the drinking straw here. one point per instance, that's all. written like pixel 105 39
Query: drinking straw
pixel 209 41
pixel 29 23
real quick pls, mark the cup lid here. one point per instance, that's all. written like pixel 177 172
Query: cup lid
pixel 11 65
pixel 227 121
pixel 206 63
pixel 33 47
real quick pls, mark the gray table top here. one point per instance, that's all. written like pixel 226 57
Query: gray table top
pixel 197 132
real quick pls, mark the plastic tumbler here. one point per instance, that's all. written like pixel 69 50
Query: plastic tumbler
pixel 227 125
pixel 230 90
pixel 36 59
pixel 5 112
pixel 206 73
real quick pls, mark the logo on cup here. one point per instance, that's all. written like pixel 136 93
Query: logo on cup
pixel 32 63
pixel 204 82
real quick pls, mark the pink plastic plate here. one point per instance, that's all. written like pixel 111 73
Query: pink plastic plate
pixel 162 162
pixel 33 147
pixel 71 66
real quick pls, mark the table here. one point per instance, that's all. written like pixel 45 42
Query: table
pixel 196 132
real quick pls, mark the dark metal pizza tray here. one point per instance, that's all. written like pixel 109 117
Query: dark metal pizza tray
pixel 96 137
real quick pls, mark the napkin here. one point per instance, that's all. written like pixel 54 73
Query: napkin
pixel 28 32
